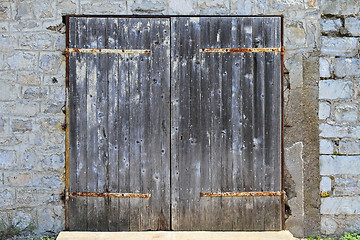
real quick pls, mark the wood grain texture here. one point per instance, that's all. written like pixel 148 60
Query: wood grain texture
pixel 175 123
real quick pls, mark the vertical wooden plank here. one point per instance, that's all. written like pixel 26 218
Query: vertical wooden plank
pixel 113 124
pixel 134 28
pixel 175 136
pixel 92 126
pixel 236 117
pixel 205 171
pixel 123 134
pixel 259 130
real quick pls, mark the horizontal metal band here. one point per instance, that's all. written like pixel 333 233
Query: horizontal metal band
pixel 240 50
pixel 241 194
pixel 115 195
pixel 114 51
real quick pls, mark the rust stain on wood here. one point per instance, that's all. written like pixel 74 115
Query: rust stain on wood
pixel 116 195
pixel 239 50
pixel 113 51
pixel 242 194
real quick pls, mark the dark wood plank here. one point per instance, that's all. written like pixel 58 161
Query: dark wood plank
pixel 205 171
pixel 175 136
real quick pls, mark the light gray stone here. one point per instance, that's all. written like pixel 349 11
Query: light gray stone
pixel 346 67
pixel 353 26
pixel 293 64
pixel 347 185
pixel 38 41
pixel 44 9
pixel 344 47
pixel 19 125
pixel 67 6
pixel 214 6
pixel 330 165
pixel 330 25
pixel 330 131
pixel 147 6
pixel 324 110
pixel 104 6
pixel 29 78
pixel 24 10
pixel 7 197
pixel 328 225
pixel 242 7
pixel 335 89
pixel 295 35
pixel 182 7
pixel 22 60
pixel 325 184
pixel 346 113
pixel 7 159
pixel 340 205
pixel 26 109
pixel 45 218
pixel 50 63
pixel 53 162
pixel 34 93
pixel 294 162
pixel 7 42
pixel 5 10
pixel 8 91
pixel 340 7
pixel 324 67
pixel 326 146
pixel 349 147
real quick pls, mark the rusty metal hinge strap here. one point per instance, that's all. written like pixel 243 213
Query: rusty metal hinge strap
pixel 113 51
pixel 115 195
pixel 240 50
pixel 242 194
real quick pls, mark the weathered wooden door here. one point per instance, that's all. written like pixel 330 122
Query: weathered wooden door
pixel 174 123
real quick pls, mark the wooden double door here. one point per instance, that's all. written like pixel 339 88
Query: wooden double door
pixel 174 123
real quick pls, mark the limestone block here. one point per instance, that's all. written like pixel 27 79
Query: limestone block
pixel 346 67
pixel 54 162
pixel 347 185
pixel 330 25
pixel 17 179
pixel 346 113
pixel 7 42
pixel 5 10
pixel 44 9
pixel 340 7
pixel 66 6
pixel 344 47
pixel 8 76
pixel 7 159
pixel 335 89
pixel 340 205
pixel 19 125
pixel 30 160
pixel 37 41
pixel 242 7
pixel 50 62
pixel 29 78
pixel 324 67
pixel 325 184
pixel 26 109
pixel 60 42
pixel 34 93
pixel 182 7
pixel 353 26
pixel 104 6
pixel 328 225
pixel 349 147
pixel 330 165
pixel 341 223
pixel 330 131
pixel 24 10
pixel 8 91
pixel 324 110
pixel 294 35
pixel 214 6
pixel 7 197
pixel 326 146
pixel 18 60
pixel 4 27
pixel 293 64
pixel 147 6
pixel 45 217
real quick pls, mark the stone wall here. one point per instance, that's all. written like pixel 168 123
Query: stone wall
pixel 339 98
pixel 32 80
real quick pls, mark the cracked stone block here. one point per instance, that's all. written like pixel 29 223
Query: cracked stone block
pixel 346 113
pixel 335 89
pixel 343 47
pixel 346 67
pixel 324 110
pixel 330 25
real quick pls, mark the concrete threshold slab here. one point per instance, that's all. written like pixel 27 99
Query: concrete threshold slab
pixel 169 235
